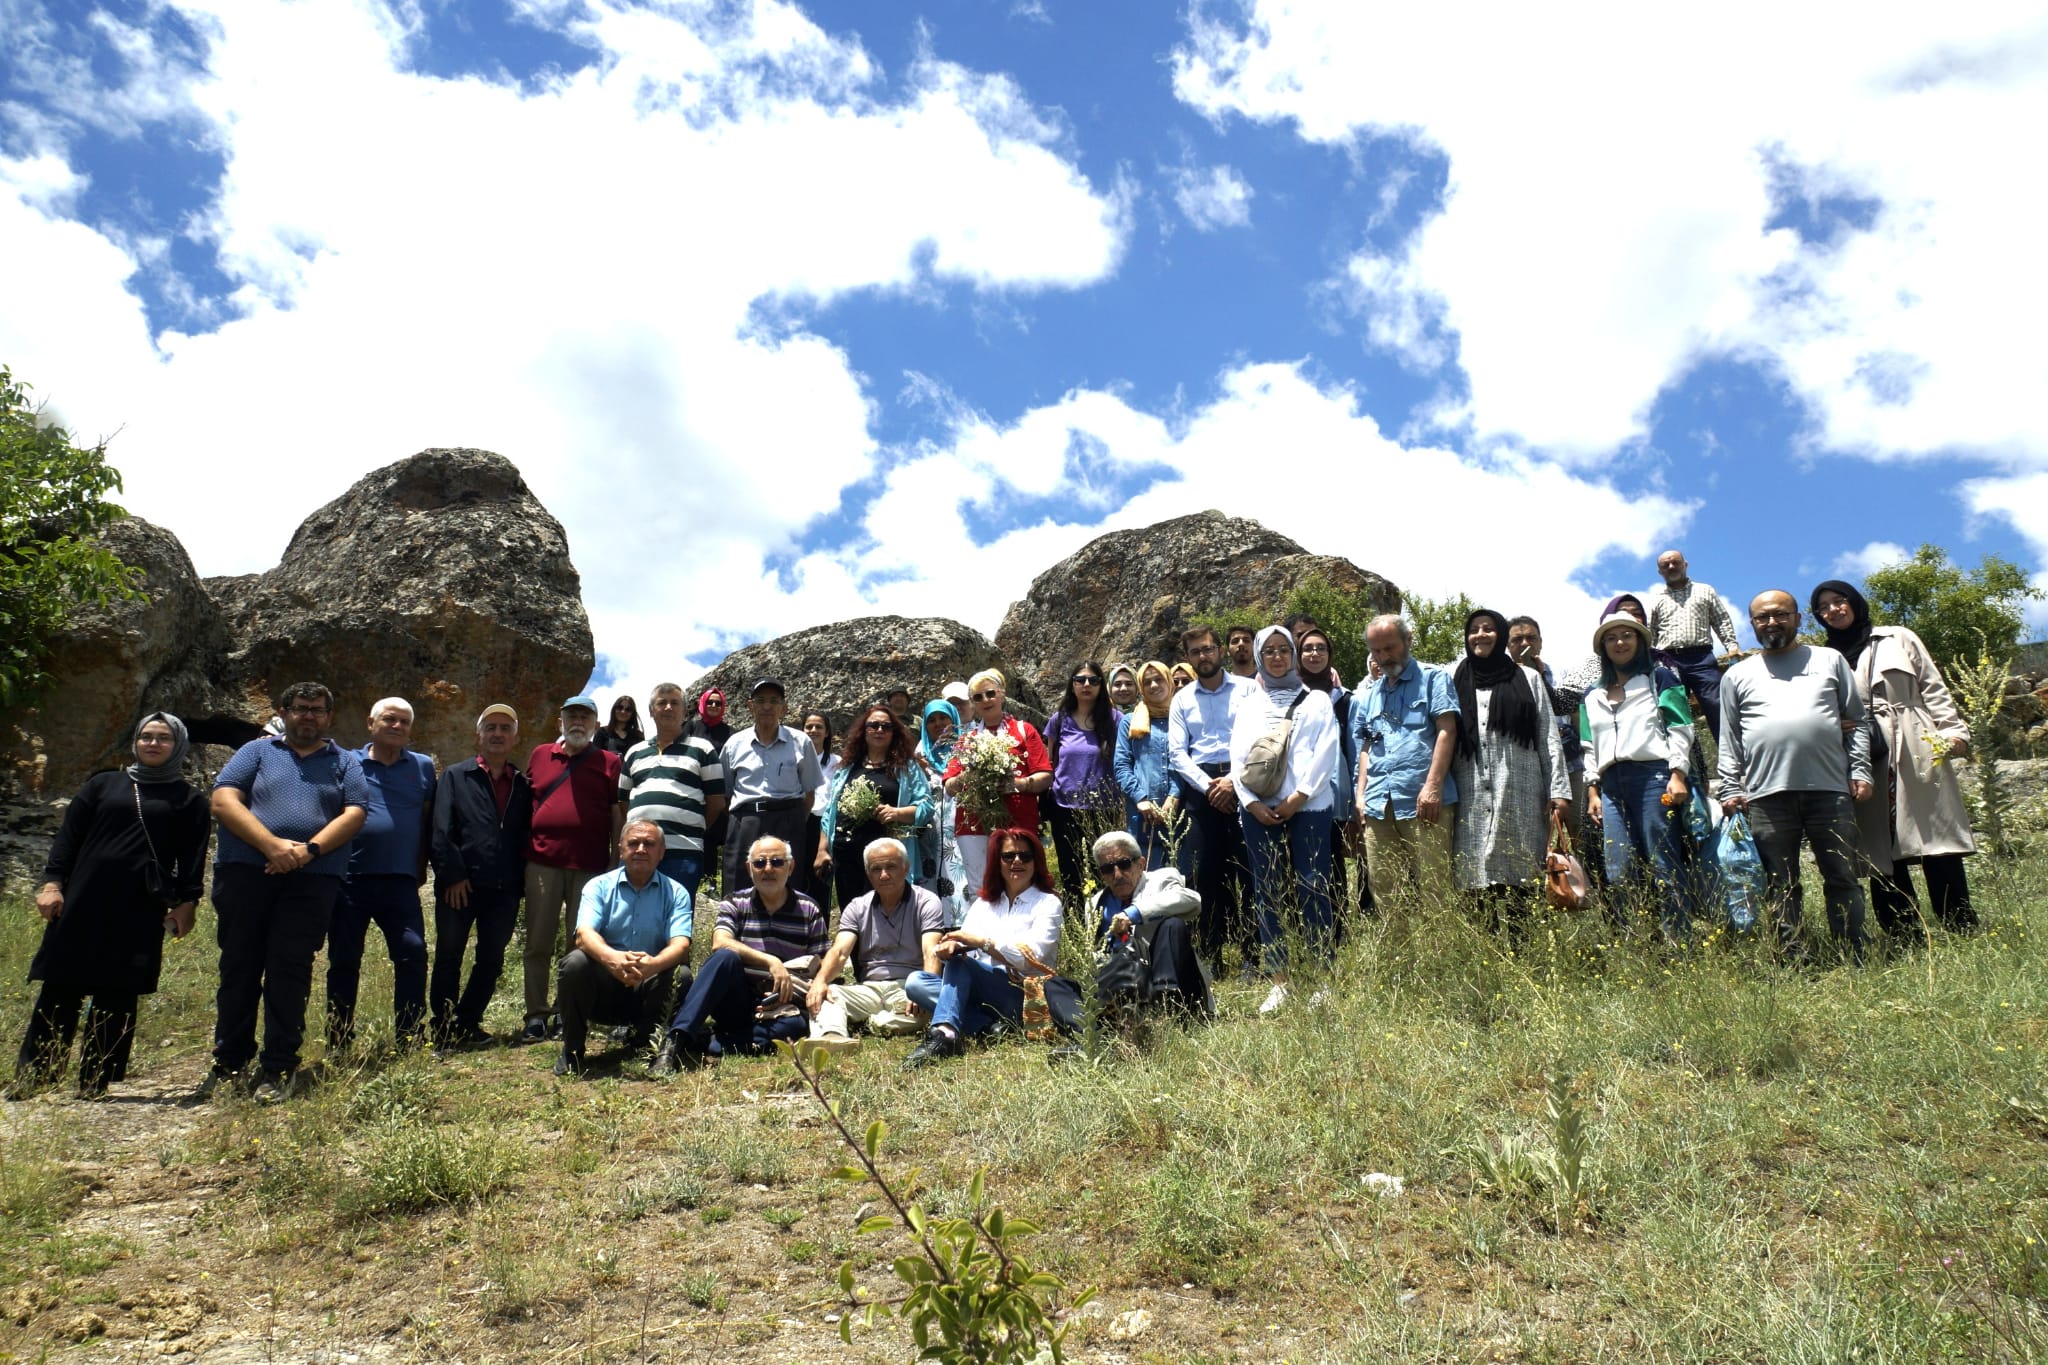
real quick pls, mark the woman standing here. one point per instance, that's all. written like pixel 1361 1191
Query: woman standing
pixel 1080 742
pixel 1637 729
pixel 1182 673
pixel 1916 809
pixel 1510 771
pixel 1318 672
pixel 877 752
pixel 1123 688
pixel 809 876
pixel 1142 770
pixel 622 731
pixel 1286 833
pixel 940 853
pixel 1032 770
pixel 126 866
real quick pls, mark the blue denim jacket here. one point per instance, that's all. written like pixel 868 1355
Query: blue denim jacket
pixel 1393 731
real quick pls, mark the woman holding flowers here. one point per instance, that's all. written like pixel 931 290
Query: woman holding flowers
pixel 1141 764
pixel 996 771
pixel 879 789
pixel 1637 729
pixel 1916 812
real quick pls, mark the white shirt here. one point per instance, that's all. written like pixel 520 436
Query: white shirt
pixel 1033 918
pixel 1311 745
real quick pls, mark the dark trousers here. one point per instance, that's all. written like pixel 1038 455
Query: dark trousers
pixel 751 823
pixel 721 1002
pixel 270 929
pixel 1222 878
pixel 1071 836
pixel 1825 822
pixel 1696 665
pixel 587 994
pixel 1947 887
pixel 493 911
pixel 109 1037
pixel 392 903
pixel 1172 977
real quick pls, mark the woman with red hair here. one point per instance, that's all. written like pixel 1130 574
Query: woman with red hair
pixel 1012 929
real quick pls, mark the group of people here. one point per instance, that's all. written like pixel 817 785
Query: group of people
pixel 1216 802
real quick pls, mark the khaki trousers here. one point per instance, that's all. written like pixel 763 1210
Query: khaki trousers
pixel 1408 857
pixel 553 895
pixel 881 1005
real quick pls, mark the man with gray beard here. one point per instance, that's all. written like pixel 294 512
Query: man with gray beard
pixel 1795 755
pixel 575 785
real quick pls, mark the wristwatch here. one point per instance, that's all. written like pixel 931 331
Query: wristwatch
pixel 313 847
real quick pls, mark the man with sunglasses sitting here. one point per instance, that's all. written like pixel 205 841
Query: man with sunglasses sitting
pixel 752 989
pixel 1142 918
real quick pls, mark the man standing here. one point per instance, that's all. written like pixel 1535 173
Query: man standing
pixel 633 930
pixel 673 779
pixel 1198 721
pixel 1405 730
pixel 1786 760
pixel 773 774
pixel 387 866
pixel 575 789
pixel 1686 618
pixel 888 933
pixel 287 805
pixel 747 992
pixel 1239 641
pixel 483 816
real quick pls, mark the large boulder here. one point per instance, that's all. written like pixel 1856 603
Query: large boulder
pixel 1128 595
pixel 440 579
pixel 842 667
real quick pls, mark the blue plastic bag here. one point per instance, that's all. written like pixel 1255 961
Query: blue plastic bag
pixel 1741 872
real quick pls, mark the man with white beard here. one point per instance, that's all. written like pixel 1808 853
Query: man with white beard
pixel 575 786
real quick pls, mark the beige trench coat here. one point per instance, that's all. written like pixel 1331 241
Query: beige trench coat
pixel 1909 704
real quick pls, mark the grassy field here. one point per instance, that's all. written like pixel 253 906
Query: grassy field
pixel 1609 1151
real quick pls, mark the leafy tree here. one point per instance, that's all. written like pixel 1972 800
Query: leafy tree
pixel 1439 626
pixel 1343 617
pixel 1960 613
pixel 52 504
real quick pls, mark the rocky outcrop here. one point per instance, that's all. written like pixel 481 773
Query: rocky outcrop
pixel 440 578
pixel 1129 594
pixel 844 666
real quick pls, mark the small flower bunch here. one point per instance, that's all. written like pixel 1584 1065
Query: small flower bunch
pixel 1940 745
pixel 858 802
pixel 988 771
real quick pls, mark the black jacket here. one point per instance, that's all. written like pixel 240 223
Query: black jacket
pixel 472 842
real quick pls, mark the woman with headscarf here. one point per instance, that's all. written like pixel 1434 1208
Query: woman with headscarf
pixel 1123 688
pixel 1080 743
pixel 125 867
pixel 1916 810
pixel 938 850
pixel 1031 769
pixel 1182 673
pixel 1637 729
pixel 1286 833
pixel 709 724
pixel 622 731
pixel 1142 770
pixel 1510 770
pixel 1318 671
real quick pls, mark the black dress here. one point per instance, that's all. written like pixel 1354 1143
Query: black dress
pixel 850 846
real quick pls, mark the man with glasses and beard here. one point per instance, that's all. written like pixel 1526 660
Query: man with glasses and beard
pixel 575 790
pixel 1198 724
pixel 1795 755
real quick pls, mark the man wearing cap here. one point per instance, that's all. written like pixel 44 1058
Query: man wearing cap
pixel 672 778
pixel 483 813
pixel 575 790
pixel 771 774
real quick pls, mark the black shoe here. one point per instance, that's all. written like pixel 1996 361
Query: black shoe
pixel 679 1052
pixel 274 1087
pixel 536 1030
pixel 568 1065
pixel 936 1044
pixel 621 1035
pixel 464 1038
pixel 218 1084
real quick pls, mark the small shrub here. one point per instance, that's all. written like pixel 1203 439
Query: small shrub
pixel 1195 1214
pixel 406 1169
pixel 661 1194
pixel 702 1289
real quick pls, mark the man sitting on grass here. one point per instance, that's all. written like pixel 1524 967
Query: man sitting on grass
pixel 1143 917
pixel 747 997
pixel 632 940
pixel 889 933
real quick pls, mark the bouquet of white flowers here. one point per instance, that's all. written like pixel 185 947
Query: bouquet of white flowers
pixel 988 772
pixel 858 802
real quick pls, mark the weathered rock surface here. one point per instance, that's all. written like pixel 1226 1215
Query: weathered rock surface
pixel 842 667
pixel 1129 594
pixel 440 578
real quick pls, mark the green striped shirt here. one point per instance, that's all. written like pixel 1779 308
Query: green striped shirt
pixel 670 786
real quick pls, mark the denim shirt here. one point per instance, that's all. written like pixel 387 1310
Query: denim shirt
pixel 1393 730
pixel 1141 764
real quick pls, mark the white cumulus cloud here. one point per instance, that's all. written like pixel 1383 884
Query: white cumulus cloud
pixel 1212 197
pixel 1878 554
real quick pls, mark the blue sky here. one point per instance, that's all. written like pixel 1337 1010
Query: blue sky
pixel 793 313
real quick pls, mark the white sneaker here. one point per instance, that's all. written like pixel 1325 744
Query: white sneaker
pixel 1275 998
pixel 837 1044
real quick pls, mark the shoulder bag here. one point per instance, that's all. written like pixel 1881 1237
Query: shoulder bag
pixel 1265 763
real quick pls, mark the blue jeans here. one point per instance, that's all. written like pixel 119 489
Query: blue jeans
pixel 1640 840
pixel 962 996
pixel 722 1001
pixel 1291 862
pixel 392 903
pixel 686 869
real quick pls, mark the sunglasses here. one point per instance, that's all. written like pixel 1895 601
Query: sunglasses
pixel 1085 680
pixel 989 695
pixel 1115 865
pixel 881 725
pixel 1017 855
pixel 763 864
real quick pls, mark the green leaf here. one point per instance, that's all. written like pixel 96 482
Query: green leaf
pixel 876 1132
pixel 846 1277
pixel 853 1173
pixel 880 1222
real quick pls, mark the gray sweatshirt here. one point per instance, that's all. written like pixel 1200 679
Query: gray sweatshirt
pixel 1781 724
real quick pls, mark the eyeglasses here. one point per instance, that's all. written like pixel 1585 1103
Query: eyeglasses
pixel 1085 680
pixel 763 864
pixel 874 725
pixel 308 711
pixel 1315 649
pixel 1774 616
pixel 989 695
pixel 1017 855
pixel 154 739
pixel 1115 865
pixel 1200 650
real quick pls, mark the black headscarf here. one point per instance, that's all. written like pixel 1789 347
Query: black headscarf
pixel 1324 681
pixel 1511 709
pixel 1849 643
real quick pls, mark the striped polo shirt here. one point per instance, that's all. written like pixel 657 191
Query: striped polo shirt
pixel 670 787
pixel 796 930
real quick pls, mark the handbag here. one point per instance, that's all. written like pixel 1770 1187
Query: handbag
pixel 1052 1004
pixel 156 887
pixel 1265 762
pixel 1564 879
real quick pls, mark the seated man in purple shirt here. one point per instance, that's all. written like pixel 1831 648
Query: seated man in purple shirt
pixel 749 994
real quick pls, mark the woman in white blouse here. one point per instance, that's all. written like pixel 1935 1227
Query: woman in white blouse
pixel 1016 918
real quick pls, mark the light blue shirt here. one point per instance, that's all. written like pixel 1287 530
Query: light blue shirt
pixel 1393 730
pixel 1198 722
pixel 635 920
pixel 771 772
